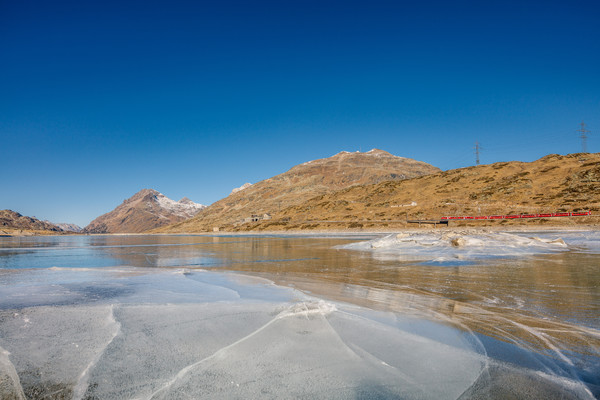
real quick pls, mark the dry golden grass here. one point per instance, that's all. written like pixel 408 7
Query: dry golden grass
pixel 300 184
pixel 12 223
pixel 30 232
pixel 551 184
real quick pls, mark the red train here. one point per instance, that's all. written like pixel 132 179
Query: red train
pixel 563 214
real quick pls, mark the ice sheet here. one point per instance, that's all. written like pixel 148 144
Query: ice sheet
pixel 52 348
pixel 306 349
pixel 175 334
pixel 453 246
pixel 10 384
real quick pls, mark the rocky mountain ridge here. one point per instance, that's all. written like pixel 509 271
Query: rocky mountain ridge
pixel 299 184
pixel 147 209
pixel 67 227
pixel 11 221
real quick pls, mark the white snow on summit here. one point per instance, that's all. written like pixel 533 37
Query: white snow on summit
pixel 244 186
pixel 184 207
pixel 67 227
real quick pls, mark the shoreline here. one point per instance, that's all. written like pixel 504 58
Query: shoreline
pixel 342 232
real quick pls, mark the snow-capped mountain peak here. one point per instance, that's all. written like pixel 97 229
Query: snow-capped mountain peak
pixel 145 210
pixel 183 208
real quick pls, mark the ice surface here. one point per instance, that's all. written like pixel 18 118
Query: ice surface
pixel 446 247
pixel 9 378
pixel 290 351
pixel 168 333
pixel 197 334
pixel 585 241
pixel 53 348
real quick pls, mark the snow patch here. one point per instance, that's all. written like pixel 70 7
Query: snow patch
pixel 341 152
pixel 68 227
pixel 244 186
pixel 183 208
pixel 458 245
pixel 374 152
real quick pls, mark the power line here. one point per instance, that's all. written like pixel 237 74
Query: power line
pixel 582 134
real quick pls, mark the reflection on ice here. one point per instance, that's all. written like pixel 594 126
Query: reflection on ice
pixel 451 247
pixel 65 286
pixel 169 334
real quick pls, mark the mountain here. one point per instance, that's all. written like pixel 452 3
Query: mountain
pixel 147 209
pixel 11 221
pixel 553 183
pixel 68 227
pixel 301 183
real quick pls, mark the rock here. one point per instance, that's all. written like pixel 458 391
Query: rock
pixel 145 210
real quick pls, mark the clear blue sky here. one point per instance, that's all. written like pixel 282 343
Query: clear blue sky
pixel 101 99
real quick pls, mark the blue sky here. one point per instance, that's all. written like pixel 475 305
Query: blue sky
pixel 101 99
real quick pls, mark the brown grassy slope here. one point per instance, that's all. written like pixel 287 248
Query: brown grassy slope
pixel 302 183
pixel 13 223
pixel 552 183
pixel 31 232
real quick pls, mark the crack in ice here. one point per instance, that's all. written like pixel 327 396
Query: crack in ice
pixel 12 374
pixel 297 309
pixel 82 383
pixel 368 354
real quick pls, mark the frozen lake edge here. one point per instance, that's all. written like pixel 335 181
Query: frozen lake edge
pixel 79 332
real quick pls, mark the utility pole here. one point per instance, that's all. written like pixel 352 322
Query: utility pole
pixel 477 148
pixel 583 136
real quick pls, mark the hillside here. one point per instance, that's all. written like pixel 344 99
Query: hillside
pixel 300 184
pixel 11 222
pixel 553 183
pixel 147 209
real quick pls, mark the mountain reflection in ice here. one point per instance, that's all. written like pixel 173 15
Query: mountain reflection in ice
pixel 326 323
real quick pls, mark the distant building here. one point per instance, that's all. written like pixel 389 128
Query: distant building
pixel 256 218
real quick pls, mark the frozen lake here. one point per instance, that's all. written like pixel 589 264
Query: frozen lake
pixel 413 316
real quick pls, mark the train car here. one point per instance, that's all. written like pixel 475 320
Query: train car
pixel 516 216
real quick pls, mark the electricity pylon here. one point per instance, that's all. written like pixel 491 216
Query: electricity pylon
pixel 582 134
pixel 477 148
